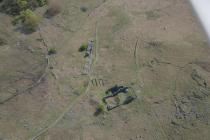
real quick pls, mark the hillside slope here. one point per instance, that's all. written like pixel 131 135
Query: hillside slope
pixel 155 47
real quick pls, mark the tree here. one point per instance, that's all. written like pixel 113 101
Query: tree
pixel 30 20
pixel 22 4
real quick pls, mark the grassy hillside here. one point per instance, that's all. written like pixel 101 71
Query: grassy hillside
pixel 155 47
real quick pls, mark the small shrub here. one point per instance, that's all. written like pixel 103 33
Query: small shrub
pixel 41 2
pixel 83 47
pixel 2 42
pixel 16 19
pixel 22 4
pixel 54 8
pixel 10 7
pixel 22 12
pixel 52 51
pixel 104 100
pixel 30 20
pixel 14 7
pixel 83 9
pixel 99 109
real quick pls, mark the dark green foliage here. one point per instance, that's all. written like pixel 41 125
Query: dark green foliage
pixel 83 47
pixel 99 109
pixel 14 7
pixel 16 19
pixel 2 42
pixel 22 10
pixel 41 2
pixel 30 20
pixel 52 51
pixel 83 9
pixel 22 4
pixel 10 7
pixel 104 100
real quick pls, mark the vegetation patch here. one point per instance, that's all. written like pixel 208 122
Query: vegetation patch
pixel 2 42
pixel 83 47
pixel 23 12
pixel 52 51
pixel 99 110
pixel 42 2
pixel 29 20
pixel 54 9
pixel 83 9
pixel 15 7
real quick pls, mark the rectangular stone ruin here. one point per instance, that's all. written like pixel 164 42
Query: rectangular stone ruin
pixel 88 55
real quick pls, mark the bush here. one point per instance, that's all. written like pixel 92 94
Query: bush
pixel 99 109
pixel 83 9
pixel 16 19
pixel 2 42
pixel 54 8
pixel 52 51
pixel 41 2
pixel 83 47
pixel 14 7
pixel 22 4
pixel 22 11
pixel 10 7
pixel 30 20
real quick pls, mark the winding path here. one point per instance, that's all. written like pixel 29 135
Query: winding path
pixel 78 99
